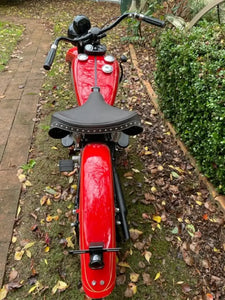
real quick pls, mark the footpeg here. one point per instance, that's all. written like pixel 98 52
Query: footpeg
pixel 66 165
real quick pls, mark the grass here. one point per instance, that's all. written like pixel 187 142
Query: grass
pixel 10 34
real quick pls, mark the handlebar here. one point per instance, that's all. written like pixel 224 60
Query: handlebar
pixel 94 34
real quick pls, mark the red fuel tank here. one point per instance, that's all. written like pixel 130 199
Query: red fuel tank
pixel 89 71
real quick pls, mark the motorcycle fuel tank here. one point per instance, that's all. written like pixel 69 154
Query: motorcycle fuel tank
pixel 90 71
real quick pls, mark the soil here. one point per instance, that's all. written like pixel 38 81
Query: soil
pixel 177 237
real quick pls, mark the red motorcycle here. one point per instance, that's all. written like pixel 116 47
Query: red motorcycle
pixel 96 129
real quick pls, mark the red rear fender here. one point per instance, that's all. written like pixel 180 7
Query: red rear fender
pixel 97 218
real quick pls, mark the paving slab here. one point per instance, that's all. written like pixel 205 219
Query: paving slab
pixel 20 85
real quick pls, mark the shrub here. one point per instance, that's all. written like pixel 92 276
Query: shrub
pixel 190 78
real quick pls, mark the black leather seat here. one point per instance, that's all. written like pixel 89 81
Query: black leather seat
pixel 94 117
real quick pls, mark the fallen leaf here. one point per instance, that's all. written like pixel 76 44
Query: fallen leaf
pixel 134 277
pixel 146 279
pixel 186 288
pixel 133 287
pixel 157 219
pixel 160 168
pixel 175 175
pixel 18 211
pixel 29 245
pixel 43 200
pixel 139 245
pixel 13 274
pixel 124 264
pixel 148 153
pixel 60 286
pixel 209 296
pixel 28 253
pixel 135 233
pixel 148 255
pixel 47 249
pixel 175 230
pixel 128 293
pixel 14 285
pixel 121 279
pixel 153 189
pixel 135 170
pixel 28 183
pixel 33 288
pixel 190 229
pixel 18 255
pixel 22 178
pixel 49 190
pixel 188 259
pixel 69 242
pixel 157 276
pixel 14 239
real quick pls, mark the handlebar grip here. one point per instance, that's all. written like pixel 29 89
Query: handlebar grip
pixel 153 21
pixel 50 57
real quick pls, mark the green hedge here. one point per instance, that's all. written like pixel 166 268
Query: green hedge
pixel 191 85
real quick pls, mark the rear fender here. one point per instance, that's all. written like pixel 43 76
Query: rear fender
pixel 97 218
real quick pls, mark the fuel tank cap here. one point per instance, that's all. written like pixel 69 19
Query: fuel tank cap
pixel 109 59
pixel 107 69
pixel 82 57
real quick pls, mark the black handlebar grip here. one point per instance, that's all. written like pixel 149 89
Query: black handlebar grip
pixel 50 57
pixel 153 21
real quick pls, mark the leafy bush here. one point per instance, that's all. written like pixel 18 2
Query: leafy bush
pixel 191 83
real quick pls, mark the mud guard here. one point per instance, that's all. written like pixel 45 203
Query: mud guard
pixel 97 218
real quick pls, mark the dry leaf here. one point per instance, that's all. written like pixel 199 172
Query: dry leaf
pixel 3 292
pixel 153 189
pixel 18 255
pixel 43 200
pixel 134 277
pixel 22 178
pixel 135 233
pixel 13 274
pixel 29 245
pixel 160 168
pixel 47 249
pixel 69 242
pixel 121 279
pixel 186 288
pixel 157 276
pixel 124 264
pixel 28 253
pixel 14 239
pixel 148 255
pixel 133 287
pixel 157 219
pixel 128 293
pixel 146 279
pixel 28 183
pixel 60 286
